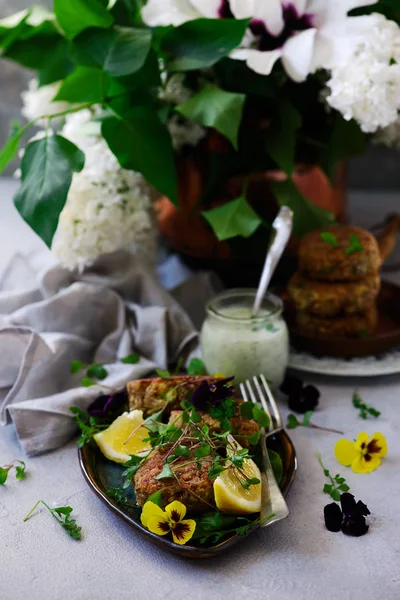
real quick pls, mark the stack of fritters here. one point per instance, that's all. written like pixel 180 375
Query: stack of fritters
pixel 337 284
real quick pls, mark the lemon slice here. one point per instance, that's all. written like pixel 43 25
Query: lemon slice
pixel 231 496
pixel 113 440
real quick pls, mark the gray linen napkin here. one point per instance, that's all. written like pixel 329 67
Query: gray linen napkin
pixel 111 310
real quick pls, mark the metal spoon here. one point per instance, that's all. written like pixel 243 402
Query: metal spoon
pixel 281 230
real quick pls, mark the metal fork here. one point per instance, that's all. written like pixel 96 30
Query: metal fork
pixel 272 500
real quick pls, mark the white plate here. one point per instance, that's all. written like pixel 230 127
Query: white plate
pixel 371 366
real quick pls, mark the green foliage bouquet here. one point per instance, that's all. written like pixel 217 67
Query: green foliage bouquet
pixel 276 80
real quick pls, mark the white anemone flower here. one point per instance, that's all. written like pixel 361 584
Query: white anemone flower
pixel 305 34
pixel 37 102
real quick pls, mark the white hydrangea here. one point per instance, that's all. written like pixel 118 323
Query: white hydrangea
pixel 367 87
pixel 108 208
pixel 37 101
pixel 389 136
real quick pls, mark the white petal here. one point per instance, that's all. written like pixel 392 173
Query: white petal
pixel 300 6
pixel 242 9
pixel 297 55
pixel 260 62
pixel 168 12
pixel 270 12
pixel 326 12
pixel 207 8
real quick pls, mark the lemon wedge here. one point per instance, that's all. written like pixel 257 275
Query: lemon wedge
pixel 113 440
pixel 231 496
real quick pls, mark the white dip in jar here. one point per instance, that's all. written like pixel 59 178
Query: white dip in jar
pixel 235 343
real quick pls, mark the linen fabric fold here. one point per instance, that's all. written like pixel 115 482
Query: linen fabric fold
pixel 115 308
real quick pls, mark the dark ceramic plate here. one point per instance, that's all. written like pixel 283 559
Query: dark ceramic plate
pixel 102 474
pixel 385 338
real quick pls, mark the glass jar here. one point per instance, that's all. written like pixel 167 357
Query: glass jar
pixel 235 343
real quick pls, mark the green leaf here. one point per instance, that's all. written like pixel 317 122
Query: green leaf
pixel 213 107
pixel 156 498
pixel 57 65
pixel 20 471
pixel 166 473
pixel 181 451
pixel 281 137
pixel 354 245
pixel 329 238
pixel 201 43
pixel 307 216
pixel 74 16
pixel 142 143
pixel 131 359
pixel 163 373
pixel 196 367
pixel 246 410
pixel 346 140
pixel 232 219
pixel 10 149
pixel 4 474
pixel 344 487
pixel 307 418
pixel 47 168
pixel 203 451
pixel 260 416
pixel 277 465
pixel 119 51
pixel 335 494
pixel 75 367
pixel 327 489
pixel 86 382
pixel 97 371
pixel 83 85
pixel 292 422
pixel 254 438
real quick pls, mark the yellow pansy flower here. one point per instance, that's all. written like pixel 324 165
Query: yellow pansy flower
pixel 219 375
pixel 364 454
pixel 171 520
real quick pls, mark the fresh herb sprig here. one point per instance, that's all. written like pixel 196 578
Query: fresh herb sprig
pixel 293 422
pixel 87 424
pixel 196 367
pixel 119 496
pixel 354 245
pixel 329 238
pixel 212 527
pixel 19 467
pixel 62 515
pixel 364 409
pixel 337 484
pixel 96 372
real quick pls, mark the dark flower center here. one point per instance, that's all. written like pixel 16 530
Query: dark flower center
pixel 373 447
pixel 180 529
pixel 164 526
pixel 224 11
pixel 293 23
pixel 175 516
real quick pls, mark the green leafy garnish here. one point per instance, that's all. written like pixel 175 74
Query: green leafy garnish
pixel 276 464
pixel 118 495
pixel 329 238
pixel 87 382
pixel 92 372
pixel 96 371
pixel 62 515
pixel 212 527
pixel 248 410
pixel 166 473
pixel 337 484
pixel 131 359
pixel 163 373
pixel 19 467
pixel 354 245
pixel 88 425
pixel 196 367
pixel 131 466
pixel 293 422
pixel 364 409
pixel 76 366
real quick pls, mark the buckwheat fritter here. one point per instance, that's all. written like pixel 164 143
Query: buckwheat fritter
pixel 355 325
pixel 318 259
pixel 194 490
pixel 328 299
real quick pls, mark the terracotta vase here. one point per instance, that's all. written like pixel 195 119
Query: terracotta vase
pixel 239 262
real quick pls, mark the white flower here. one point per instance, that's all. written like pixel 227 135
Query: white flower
pixel 367 86
pixel 305 34
pixel 37 101
pixel 108 208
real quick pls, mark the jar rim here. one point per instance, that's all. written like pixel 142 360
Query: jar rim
pixel 275 309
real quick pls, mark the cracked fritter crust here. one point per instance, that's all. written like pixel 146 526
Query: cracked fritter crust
pixel 320 260
pixel 325 299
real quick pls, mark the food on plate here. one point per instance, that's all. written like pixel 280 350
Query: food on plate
pixel 151 395
pixel 124 437
pixel 355 325
pixel 193 442
pixel 325 299
pixel 336 287
pixel 347 253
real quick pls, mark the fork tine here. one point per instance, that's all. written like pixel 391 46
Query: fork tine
pixel 275 409
pixel 251 391
pixel 263 401
pixel 243 392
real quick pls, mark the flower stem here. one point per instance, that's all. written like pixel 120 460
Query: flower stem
pixel 325 428
pixel 33 510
